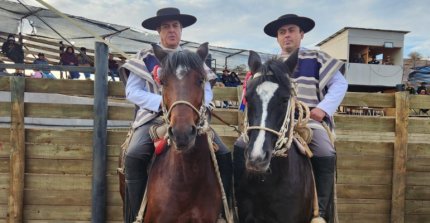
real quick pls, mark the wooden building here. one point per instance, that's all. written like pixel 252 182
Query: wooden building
pixel 358 46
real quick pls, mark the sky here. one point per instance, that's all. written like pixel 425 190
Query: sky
pixel 240 23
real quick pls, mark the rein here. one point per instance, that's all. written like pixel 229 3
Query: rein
pixel 226 123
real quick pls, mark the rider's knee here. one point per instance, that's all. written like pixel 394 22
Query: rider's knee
pixel 240 143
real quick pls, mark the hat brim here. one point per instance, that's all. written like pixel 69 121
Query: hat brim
pixel 155 22
pixel 306 24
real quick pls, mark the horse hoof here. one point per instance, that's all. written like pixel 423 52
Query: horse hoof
pixel 318 220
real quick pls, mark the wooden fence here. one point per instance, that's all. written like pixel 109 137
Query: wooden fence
pixel 383 161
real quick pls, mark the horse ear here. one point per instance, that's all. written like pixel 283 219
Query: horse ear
pixel 291 62
pixel 159 52
pixel 254 61
pixel 203 51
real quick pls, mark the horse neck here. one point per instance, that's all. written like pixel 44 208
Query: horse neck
pixel 295 166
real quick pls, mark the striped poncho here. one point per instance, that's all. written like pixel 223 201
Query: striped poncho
pixel 312 74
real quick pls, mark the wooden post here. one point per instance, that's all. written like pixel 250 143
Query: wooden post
pixel 400 158
pixel 99 184
pixel 17 155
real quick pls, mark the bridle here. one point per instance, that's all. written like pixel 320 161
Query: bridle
pixel 202 121
pixel 285 133
pixel 200 112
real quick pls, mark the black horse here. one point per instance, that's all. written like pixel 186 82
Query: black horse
pixel 271 188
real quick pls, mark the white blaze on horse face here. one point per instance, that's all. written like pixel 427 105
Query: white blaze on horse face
pixel 180 72
pixel 266 91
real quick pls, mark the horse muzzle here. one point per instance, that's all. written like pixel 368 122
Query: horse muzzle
pixel 258 164
pixel 183 138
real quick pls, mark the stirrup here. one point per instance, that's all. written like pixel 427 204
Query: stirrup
pixel 318 220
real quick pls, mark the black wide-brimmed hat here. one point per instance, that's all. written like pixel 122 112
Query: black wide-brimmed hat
pixel 165 14
pixel 305 23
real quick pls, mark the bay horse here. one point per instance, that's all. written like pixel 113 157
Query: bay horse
pixel 183 186
pixel 272 188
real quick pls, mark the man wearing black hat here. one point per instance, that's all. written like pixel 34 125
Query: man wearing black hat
pixel 321 86
pixel 143 91
pixel 13 50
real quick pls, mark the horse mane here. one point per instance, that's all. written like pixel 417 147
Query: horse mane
pixel 188 59
pixel 276 68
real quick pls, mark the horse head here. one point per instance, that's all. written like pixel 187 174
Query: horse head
pixel 268 96
pixel 183 77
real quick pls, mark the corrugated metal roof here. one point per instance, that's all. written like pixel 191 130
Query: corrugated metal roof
pixel 47 25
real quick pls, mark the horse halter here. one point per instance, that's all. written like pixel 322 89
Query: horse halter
pixel 285 133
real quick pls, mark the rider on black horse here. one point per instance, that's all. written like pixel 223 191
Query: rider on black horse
pixel 321 86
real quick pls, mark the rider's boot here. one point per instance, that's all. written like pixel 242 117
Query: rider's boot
pixel 238 166
pixel 226 172
pixel 136 177
pixel 324 168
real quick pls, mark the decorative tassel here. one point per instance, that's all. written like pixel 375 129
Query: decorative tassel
pixel 160 145
pixel 243 100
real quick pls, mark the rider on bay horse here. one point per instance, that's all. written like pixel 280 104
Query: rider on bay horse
pixel 321 86
pixel 144 91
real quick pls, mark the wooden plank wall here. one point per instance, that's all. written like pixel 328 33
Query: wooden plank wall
pixel 417 204
pixel 59 161
pixel 58 173
pixel 379 176
pixel 365 146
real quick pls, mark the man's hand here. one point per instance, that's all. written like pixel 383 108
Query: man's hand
pixel 317 114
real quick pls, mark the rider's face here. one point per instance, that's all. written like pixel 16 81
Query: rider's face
pixel 170 33
pixel 289 37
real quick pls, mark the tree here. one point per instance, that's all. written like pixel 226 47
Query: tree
pixel 415 56
pixel 240 69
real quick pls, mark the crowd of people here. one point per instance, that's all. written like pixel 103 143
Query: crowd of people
pixel 358 58
pixel 13 50
pixel 423 89
pixel 230 79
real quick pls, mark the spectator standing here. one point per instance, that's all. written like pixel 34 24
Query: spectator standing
pixel 85 61
pixel 410 88
pixel 230 79
pixel 358 59
pixel 374 60
pixel 388 61
pixel 422 89
pixel 2 70
pixel 69 58
pixel 113 67
pixel 13 50
pixel 61 48
pixel 235 79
